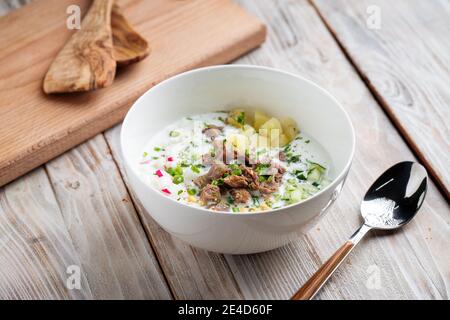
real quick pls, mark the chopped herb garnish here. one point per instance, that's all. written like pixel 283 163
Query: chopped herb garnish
pixel 307 141
pixel 184 164
pixel 235 170
pixel 177 179
pixel 259 152
pixel 235 209
pixel 261 167
pixel 180 192
pixel 192 192
pixel 158 149
pixel 300 175
pixel 188 118
pixel 174 133
pixel 241 118
pixel 217 182
pixel 230 200
pixel 177 171
pixel 195 168
pixel 155 158
pixel 145 154
pixel 221 119
pixel 315 184
pixel 293 158
pixel 255 200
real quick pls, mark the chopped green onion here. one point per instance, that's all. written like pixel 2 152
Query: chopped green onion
pixel 145 154
pixel 180 192
pixel 217 182
pixel 235 209
pixel 174 133
pixel 241 118
pixel 192 192
pixel 195 168
pixel 177 179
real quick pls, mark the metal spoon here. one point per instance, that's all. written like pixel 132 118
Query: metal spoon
pixel 391 202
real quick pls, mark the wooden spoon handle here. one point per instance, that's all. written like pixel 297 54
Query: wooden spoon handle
pixel 309 289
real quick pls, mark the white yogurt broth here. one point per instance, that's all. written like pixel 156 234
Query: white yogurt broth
pixel 172 159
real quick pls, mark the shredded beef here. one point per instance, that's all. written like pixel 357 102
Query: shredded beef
pixel 268 187
pixel 210 193
pixel 236 181
pixel 240 195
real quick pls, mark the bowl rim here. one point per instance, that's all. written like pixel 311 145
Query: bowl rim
pixel 167 81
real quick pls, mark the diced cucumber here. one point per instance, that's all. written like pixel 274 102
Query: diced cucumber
pixel 314 175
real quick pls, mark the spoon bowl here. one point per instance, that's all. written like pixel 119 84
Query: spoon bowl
pixel 390 203
pixel 395 197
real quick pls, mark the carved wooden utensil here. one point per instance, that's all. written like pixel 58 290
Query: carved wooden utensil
pixel 86 62
pixel 129 45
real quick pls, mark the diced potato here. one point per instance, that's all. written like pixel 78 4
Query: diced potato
pixel 288 122
pixel 237 118
pixel 260 119
pixel 263 142
pixel 284 140
pixel 272 126
pixel 239 141
pixel 253 141
pixel 275 138
pixel 279 141
pixel 248 130
pixel 291 133
pixel 290 128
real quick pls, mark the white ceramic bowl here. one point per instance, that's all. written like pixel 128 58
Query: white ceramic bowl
pixel 221 88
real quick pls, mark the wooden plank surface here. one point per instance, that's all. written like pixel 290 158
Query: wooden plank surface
pixel 35 245
pixel 36 127
pixel 411 263
pixel 90 223
pixel 299 42
pixel 406 65
pixel 114 251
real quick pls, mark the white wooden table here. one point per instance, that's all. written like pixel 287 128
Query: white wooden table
pixel 393 78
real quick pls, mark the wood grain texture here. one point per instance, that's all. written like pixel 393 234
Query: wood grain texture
pixel 410 262
pixel 192 273
pixel 35 245
pixel 37 127
pixel 318 279
pixel 405 64
pixel 128 45
pixel 86 61
pixel 113 248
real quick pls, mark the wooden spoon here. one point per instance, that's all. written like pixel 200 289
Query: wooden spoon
pixel 86 62
pixel 129 46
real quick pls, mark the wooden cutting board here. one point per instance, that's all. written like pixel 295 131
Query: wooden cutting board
pixel 34 127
